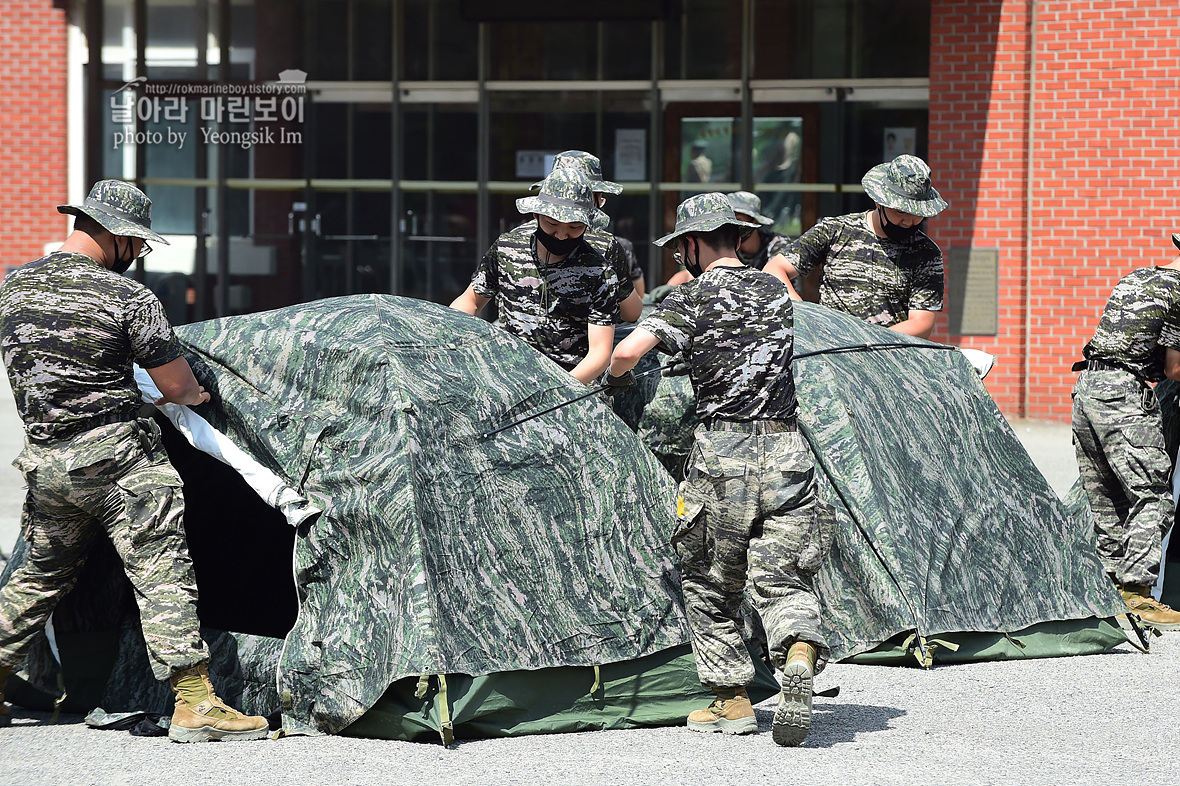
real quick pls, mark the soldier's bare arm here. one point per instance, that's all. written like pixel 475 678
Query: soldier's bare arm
pixel 784 271
pixel 920 324
pixel 632 308
pixel 602 338
pixel 1172 364
pixel 630 350
pixel 177 384
pixel 469 302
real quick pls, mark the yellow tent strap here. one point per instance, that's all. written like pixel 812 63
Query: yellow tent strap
pixel 923 648
pixel 444 712
pixel 597 681
pixel 1017 642
pixel 942 642
pixel 61 686
pixel 916 646
pixel 423 686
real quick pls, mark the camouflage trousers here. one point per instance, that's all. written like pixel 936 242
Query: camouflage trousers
pixel 114 480
pixel 1118 435
pixel 748 510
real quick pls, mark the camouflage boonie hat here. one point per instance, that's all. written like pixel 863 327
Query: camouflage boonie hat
pixel 749 205
pixel 904 184
pixel 703 213
pixel 566 196
pixel 588 165
pixel 121 209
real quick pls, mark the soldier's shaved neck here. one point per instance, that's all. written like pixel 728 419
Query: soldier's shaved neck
pixel 91 240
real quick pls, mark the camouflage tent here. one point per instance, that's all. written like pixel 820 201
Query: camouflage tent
pixel 951 545
pixel 453 581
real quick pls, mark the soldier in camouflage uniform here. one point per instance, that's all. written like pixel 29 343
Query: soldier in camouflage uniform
pixel 1118 432
pixel 761 245
pixel 634 271
pixel 748 508
pixel 70 328
pixel 553 289
pixel 619 252
pixel 878 266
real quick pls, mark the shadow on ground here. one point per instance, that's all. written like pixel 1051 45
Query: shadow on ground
pixel 834 723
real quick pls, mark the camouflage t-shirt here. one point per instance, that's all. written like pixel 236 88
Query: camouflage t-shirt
pixel 634 271
pixel 69 332
pixel 870 277
pixel 1140 321
pixel 548 305
pixel 773 244
pixel 613 252
pixel 735 326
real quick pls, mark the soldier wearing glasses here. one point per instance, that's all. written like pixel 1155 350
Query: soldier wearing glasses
pixel 71 326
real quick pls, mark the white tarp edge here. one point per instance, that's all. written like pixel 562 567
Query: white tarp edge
pixel 202 436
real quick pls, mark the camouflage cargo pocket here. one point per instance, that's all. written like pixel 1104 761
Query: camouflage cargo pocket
pixel 819 543
pixel 28 519
pixel 801 537
pixel 148 496
pixel 27 463
pixel 690 540
pixel 712 462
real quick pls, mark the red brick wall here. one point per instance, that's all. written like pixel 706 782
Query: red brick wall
pixel 33 149
pixel 1105 168
pixel 978 117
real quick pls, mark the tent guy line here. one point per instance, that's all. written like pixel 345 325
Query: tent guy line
pixel 871 347
pixel 587 394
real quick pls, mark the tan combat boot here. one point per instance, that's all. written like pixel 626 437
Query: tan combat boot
pixel 200 716
pixel 792 717
pixel 5 710
pixel 1151 611
pixel 730 713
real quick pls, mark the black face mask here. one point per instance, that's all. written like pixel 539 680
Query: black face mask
pixel 896 232
pixel 121 265
pixel 555 246
pixel 692 265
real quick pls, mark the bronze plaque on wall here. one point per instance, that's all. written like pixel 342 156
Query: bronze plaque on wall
pixel 973 291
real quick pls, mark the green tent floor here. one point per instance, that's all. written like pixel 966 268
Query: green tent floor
pixel 657 690
pixel 1053 639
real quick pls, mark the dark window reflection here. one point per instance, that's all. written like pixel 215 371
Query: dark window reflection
pixel 439 142
pixel 891 38
pixel 704 41
pixel 439 251
pixel 841 39
pixel 544 50
pixel 438 42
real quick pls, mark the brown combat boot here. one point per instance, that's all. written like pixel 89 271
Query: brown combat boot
pixel 1151 611
pixel 733 714
pixel 792 717
pixel 5 710
pixel 201 716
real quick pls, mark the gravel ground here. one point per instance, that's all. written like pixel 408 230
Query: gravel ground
pixel 1099 719
pixel 1092 720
